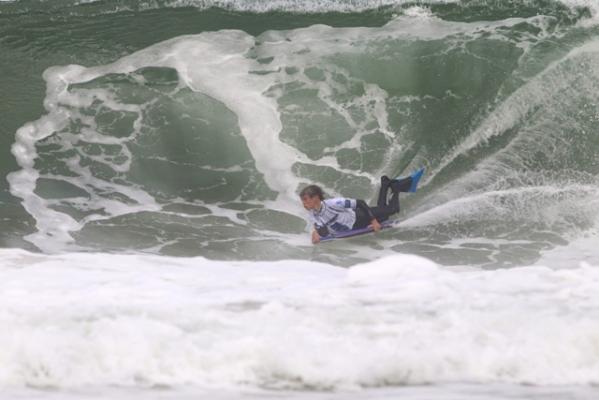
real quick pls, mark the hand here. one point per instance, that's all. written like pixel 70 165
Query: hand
pixel 375 225
pixel 315 237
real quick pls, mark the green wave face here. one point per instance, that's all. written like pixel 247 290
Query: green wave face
pixel 183 129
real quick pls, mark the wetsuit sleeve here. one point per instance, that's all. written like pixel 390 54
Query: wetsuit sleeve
pixel 361 204
pixel 322 230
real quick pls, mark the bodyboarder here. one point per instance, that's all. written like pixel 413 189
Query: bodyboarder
pixel 330 216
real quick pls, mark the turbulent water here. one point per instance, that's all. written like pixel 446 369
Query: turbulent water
pixel 186 128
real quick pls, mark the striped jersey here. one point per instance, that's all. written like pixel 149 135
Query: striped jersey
pixel 336 214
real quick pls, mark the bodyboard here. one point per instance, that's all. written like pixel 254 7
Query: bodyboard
pixel 357 232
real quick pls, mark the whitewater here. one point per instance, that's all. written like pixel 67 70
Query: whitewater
pixel 151 322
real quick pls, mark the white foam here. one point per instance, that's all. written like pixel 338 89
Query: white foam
pixel 548 205
pixel 76 320
pixel 301 6
pixel 322 6
pixel 579 249
pixel 54 228
pixel 591 5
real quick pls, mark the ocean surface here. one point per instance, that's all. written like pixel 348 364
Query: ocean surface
pixel 153 245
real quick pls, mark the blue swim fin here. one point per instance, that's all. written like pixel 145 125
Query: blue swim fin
pixel 416 175
pixel 409 183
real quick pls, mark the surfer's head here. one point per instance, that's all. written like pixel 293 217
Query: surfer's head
pixel 311 197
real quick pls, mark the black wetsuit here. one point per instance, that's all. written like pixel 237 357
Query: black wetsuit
pixel 383 209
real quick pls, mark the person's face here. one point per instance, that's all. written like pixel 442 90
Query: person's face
pixel 311 202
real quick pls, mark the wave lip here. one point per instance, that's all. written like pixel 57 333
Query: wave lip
pixel 77 320
pixel 489 7
pixel 255 6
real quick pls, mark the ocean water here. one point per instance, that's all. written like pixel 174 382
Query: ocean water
pixel 153 244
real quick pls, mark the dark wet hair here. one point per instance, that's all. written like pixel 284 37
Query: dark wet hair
pixel 312 191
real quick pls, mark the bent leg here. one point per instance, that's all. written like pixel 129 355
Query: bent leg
pixel 383 191
pixel 383 209
pixel 394 203
pixel 383 213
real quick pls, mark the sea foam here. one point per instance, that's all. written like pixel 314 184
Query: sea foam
pixel 74 320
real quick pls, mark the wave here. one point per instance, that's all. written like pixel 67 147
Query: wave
pixel 142 321
pixel 198 145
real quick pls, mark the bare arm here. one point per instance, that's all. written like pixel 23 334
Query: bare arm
pixel 315 237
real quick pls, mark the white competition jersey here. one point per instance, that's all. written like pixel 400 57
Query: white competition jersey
pixel 337 214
